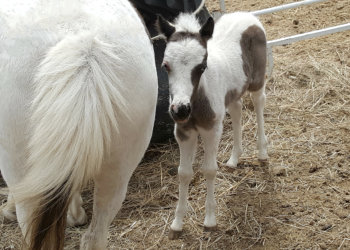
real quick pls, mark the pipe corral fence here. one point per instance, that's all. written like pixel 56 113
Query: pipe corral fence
pixel 295 38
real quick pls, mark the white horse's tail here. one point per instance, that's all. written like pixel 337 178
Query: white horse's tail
pixel 78 96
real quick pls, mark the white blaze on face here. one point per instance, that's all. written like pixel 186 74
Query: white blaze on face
pixel 182 57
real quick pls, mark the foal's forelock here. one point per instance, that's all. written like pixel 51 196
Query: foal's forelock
pixel 187 22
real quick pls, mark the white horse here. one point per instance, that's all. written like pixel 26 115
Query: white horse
pixel 78 92
pixel 209 70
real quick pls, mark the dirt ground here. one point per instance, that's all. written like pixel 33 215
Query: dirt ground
pixel 300 199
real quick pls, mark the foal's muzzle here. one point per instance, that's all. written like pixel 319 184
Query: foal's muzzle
pixel 180 113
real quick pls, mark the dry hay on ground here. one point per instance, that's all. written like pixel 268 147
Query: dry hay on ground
pixel 301 199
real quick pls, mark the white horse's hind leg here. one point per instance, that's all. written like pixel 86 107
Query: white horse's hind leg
pixel 12 174
pixel 259 99
pixel 110 190
pixel 9 209
pixel 76 215
pixel 23 212
pixel 187 151
pixel 211 141
pixel 235 111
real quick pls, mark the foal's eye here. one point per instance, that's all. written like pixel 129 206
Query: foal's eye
pixel 165 65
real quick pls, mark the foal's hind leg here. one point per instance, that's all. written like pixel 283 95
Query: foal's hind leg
pixel 235 111
pixel 259 98
pixel 188 147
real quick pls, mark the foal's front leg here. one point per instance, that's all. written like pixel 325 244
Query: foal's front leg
pixel 188 144
pixel 211 141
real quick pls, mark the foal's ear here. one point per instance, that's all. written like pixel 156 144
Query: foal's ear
pixel 207 29
pixel 164 27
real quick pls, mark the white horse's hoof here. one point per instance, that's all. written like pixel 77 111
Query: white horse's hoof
pixel 8 212
pixel 7 216
pixel 78 220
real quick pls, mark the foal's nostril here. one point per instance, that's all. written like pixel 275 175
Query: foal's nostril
pixel 183 112
pixel 189 108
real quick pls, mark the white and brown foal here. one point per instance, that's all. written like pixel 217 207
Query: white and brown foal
pixel 209 70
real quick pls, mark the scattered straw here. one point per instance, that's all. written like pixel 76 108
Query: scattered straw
pixel 307 116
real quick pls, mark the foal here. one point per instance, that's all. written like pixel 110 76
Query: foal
pixel 209 70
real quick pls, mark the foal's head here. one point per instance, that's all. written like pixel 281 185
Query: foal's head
pixel 185 60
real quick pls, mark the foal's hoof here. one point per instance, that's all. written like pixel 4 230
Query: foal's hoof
pixel 229 165
pixel 232 162
pixel 174 235
pixel 264 162
pixel 210 229
pixel 263 159
pixel 227 168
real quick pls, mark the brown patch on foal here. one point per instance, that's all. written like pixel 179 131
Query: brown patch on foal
pixel 253 45
pixel 197 72
pixel 202 115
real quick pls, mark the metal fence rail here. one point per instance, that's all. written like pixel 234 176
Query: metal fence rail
pixel 300 37
pixel 276 8
pixel 295 38
pixel 285 7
